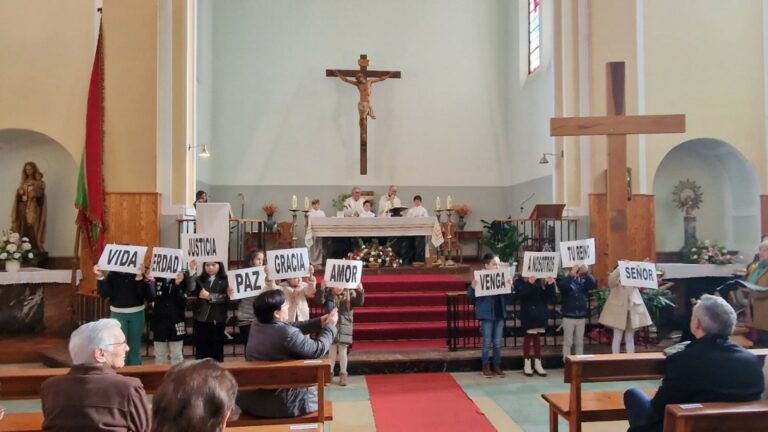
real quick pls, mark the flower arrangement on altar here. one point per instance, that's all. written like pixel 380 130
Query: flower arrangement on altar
pixel 338 202
pixel 14 247
pixel 375 254
pixel 270 209
pixel 462 210
pixel 707 252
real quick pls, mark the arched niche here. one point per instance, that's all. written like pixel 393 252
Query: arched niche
pixel 730 213
pixel 18 146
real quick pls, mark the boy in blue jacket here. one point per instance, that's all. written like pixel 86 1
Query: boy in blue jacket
pixel 574 289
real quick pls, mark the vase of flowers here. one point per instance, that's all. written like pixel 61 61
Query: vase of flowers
pixel 707 252
pixel 461 210
pixel 15 249
pixel 270 209
pixel 374 255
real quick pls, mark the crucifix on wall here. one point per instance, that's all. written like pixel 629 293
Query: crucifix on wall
pixel 363 80
pixel 617 125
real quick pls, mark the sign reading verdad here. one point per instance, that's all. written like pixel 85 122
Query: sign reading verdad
pixel 122 258
pixel 166 262
pixel 288 263
pixel 246 282
pixel 343 273
pixel 638 274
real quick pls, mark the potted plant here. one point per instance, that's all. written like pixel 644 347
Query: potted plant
pixel 338 202
pixel 462 210
pixel 707 252
pixel 270 209
pixel 373 255
pixel 504 239
pixel 15 249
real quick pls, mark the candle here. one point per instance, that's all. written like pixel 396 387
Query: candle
pixel 306 204
pixel 437 203
pixel 294 202
pixel 448 202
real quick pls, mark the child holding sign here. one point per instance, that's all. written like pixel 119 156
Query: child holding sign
pixel 343 300
pixel 624 311
pixel 296 294
pixel 535 298
pixel 574 289
pixel 491 311
pixel 168 329
pixel 212 291
pixel 245 307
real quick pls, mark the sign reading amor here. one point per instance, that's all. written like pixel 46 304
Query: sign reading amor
pixel 288 263
pixel 166 262
pixel 246 282
pixel 638 274
pixel 493 282
pixel 122 258
pixel 343 273
pixel 577 252
pixel 541 264
pixel 202 247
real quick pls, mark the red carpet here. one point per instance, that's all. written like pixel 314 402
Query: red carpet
pixel 423 402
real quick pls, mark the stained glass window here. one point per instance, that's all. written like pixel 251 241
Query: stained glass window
pixel 534 35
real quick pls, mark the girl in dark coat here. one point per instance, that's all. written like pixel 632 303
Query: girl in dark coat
pixel 535 297
pixel 168 330
pixel 212 291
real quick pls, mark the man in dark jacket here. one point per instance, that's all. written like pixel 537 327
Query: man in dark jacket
pixel 272 339
pixel 709 369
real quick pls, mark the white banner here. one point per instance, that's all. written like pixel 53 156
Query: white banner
pixel 288 263
pixel 203 248
pixel 638 274
pixel 343 273
pixel 541 264
pixel 246 282
pixel 166 262
pixel 493 282
pixel 122 258
pixel 577 252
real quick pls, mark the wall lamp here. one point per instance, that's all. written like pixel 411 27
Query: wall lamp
pixel 544 159
pixel 203 153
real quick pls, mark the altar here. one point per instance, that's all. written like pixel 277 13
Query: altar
pixel 37 301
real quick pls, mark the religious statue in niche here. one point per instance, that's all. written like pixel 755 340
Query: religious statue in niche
pixel 687 196
pixel 29 206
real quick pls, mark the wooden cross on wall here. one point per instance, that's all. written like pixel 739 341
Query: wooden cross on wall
pixel 617 125
pixel 371 76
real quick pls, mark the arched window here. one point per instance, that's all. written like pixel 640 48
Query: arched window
pixel 534 35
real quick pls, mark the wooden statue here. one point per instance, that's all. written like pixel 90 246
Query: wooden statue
pixel 29 206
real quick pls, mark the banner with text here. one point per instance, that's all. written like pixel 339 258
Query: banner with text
pixel 541 264
pixel 122 258
pixel 288 263
pixel 166 262
pixel 493 282
pixel 203 248
pixel 246 282
pixel 638 274
pixel 577 252
pixel 343 273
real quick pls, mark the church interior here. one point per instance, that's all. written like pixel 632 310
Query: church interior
pixel 637 129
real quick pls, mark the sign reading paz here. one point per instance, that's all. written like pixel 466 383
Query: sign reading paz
pixel 122 258
pixel 578 252
pixel 288 263
pixel 492 282
pixel 343 273
pixel 166 262
pixel 541 264
pixel 246 282
pixel 638 274
pixel 202 247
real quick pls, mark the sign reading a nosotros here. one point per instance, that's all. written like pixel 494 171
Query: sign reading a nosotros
pixel 122 258
pixel 288 263
pixel 202 247
pixel 492 282
pixel 246 282
pixel 165 262
pixel 541 264
pixel 577 252
pixel 638 274
pixel 343 273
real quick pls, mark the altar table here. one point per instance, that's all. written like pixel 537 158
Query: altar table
pixel 373 227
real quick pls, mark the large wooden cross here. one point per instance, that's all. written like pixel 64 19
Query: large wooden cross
pixel 363 112
pixel 617 125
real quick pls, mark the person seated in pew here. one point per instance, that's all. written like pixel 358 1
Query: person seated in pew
pixel 710 368
pixel 367 212
pixel 92 395
pixel 274 338
pixel 195 396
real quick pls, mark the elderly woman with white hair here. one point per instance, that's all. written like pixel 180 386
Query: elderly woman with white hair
pixel 710 368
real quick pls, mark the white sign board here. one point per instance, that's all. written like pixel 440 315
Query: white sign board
pixel 493 282
pixel 541 264
pixel 343 273
pixel 122 258
pixel 638 274
pixel 166 262
pixel 203 248
pixel 288 263
pixel 246 282
pixel 577 252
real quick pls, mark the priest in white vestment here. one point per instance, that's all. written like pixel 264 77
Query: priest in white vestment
pixel 353 206
pixel 388 202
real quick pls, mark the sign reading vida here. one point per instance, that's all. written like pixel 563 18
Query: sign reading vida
pixel 343 273
pixel 541 264
pixel 493 282
pixel 122 258
pixel 246 282
pixel 166 262
pixel 288 263
pixel 578 252
pixel 202 247
pixel 638 274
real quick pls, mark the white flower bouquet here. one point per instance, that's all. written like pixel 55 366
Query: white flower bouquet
pixel 14 247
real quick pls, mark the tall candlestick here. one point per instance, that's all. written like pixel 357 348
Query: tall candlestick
pixel 437 203
pixel 306 204
pixel 448 203
pixel 294 202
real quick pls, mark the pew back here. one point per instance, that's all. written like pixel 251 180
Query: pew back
pixel 712 417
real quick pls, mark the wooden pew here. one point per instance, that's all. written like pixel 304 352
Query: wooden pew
pixel 577 407
pixel 25 384
pixel 712 417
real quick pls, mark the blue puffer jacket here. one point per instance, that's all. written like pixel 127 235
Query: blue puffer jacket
pixel 574 291
pixel 489 307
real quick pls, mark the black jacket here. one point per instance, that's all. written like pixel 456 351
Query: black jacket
pixel 168 303
pixel 213 309
pixel 123 290
pixel 574 292
pixel 534 302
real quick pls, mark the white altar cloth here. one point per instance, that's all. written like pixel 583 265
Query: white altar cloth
pixel 373 227
pixel 685 271
pixel 38 276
